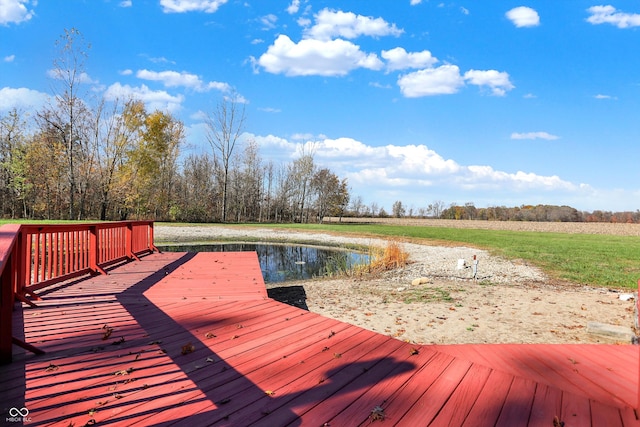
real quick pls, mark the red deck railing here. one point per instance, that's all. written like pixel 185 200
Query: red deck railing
pixel 33 257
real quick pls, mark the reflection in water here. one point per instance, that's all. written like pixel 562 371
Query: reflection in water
pixel 280 263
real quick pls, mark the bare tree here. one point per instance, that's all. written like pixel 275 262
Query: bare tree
pixel 66 116
pixel 398 209
pixel 435 209
pixel 224 127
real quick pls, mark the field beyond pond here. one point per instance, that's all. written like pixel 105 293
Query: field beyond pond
pixel 593 254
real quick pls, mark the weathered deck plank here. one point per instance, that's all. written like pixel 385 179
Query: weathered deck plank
pixel 249 360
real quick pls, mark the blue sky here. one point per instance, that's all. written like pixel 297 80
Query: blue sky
pixel 491 102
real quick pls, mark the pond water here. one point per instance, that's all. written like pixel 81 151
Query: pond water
pixel 281 263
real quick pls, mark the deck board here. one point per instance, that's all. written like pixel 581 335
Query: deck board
pixel 250 360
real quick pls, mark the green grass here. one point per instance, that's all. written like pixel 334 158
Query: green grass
pixel 594 260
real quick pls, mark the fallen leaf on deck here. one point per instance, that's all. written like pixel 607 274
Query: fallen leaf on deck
pixel 52 368
pixel 188 348
pixel 377 414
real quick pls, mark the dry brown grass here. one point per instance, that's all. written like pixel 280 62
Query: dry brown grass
pixel 388 258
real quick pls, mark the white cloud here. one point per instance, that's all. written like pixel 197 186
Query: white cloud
pixel 316 57
pixel 269 21
pixel 446 80
pixel 487 178
pixel 126 3
pixel 443 80
pixel 15 11
pixel 523 17
pixel 412 172
pixel 177 79
pixel 601 96
pixel 400 59
pixel 154 100
pixel 415 2
pixel 534 135
pixel 609 15
pixel 330 24
pixel 293 8
pixel 21 98
pixel 181 6
pixel 496 80
pixel 126 72
pixel 270 110
pixel 9 58
pixel 379 85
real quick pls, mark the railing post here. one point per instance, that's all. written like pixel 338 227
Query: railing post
pixel 94 250
pixel 7 286
pixel 152 246
pixel 128 240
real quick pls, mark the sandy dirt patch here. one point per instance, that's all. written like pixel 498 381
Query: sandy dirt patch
pixel 509 302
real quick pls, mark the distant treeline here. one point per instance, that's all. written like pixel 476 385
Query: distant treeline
pixel 539 213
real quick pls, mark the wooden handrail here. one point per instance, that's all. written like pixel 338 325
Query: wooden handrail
pixel 9 235
pixel 35 256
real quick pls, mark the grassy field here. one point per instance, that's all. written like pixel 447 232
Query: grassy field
pixel 596 260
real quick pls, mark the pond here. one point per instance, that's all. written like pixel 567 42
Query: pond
pixel 281 263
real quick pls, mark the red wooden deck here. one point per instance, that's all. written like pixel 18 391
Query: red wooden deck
pixel 193 339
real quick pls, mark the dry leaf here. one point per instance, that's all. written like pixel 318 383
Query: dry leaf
pixel 188 348
pixel 270 393
pixel 377 414
pixel 107 333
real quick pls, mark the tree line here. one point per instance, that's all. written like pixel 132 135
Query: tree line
pixel 85 158
pixel 468 211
